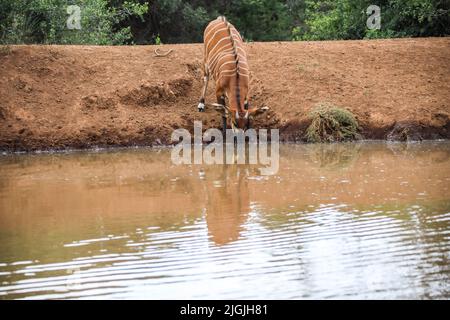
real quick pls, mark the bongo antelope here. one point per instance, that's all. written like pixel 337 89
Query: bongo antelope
pixel 226 60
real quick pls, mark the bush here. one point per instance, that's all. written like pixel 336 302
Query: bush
pixel 331 124
pixel 346 19
pixel 45 22
pixel 183 21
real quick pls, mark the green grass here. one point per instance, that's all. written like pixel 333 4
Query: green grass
pixel 332 124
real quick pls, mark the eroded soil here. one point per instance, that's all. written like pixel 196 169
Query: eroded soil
pixel 58 97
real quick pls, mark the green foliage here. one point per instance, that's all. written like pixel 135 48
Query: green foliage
pixel 261 20
pixel 5 50
pixel 45 21
pixel 158 40
pixel 183 21
pixel 178 21
pixel 331 124
pixel 346 19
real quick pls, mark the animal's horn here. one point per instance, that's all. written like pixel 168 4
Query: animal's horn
pixel 246 115
pixel 237 114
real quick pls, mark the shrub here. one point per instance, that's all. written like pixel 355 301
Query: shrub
pixel 330 124
pixel 5 50
pixel 44 21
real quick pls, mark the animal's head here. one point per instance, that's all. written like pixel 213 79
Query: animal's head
pixel 240 110
pixel 241 119
pixel 240 116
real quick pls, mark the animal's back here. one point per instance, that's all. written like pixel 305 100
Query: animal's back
pixel 224 50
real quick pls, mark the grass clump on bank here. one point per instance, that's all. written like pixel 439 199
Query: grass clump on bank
pixel 332 124
pixel 5 50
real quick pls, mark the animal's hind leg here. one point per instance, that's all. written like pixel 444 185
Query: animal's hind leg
pixel 201 104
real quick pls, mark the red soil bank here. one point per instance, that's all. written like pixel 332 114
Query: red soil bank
pixel 57 97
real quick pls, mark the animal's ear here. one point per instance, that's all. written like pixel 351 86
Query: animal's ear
pixel 257 111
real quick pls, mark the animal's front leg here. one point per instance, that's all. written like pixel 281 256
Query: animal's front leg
pixel 224 123
pixel 221 101
pixel 201 105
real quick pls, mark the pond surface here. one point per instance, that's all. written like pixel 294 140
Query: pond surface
pixel 369 220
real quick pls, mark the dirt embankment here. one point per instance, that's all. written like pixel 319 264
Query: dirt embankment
pixel 57 97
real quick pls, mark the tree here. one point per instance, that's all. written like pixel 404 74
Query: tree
pixel 176 21
pixel 346 19
pixel 44 21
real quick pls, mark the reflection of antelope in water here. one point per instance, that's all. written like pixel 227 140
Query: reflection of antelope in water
pixel 227 204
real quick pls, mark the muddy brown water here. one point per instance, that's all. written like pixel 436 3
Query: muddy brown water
pixel 367 220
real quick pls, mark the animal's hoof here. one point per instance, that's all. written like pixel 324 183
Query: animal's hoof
pixel 201 107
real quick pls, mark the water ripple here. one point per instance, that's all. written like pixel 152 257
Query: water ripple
pixel 229 234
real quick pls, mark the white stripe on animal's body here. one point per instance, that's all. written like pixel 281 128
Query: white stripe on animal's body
pixel 212 28
pixel 228 49
pixel 210 51
pixel 219 69
pixel 234 70
pixel 226 63
pixel 223 46
pixel 240 70
pixel 232 74
pixel 234 35
pixel 229 76
pixel 218 54
pixel 228 55
pixel 215 33
pixel 218 42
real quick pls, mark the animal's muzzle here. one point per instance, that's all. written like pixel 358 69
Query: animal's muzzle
pixel 238 115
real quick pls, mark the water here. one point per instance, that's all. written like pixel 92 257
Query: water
pixel 367 220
